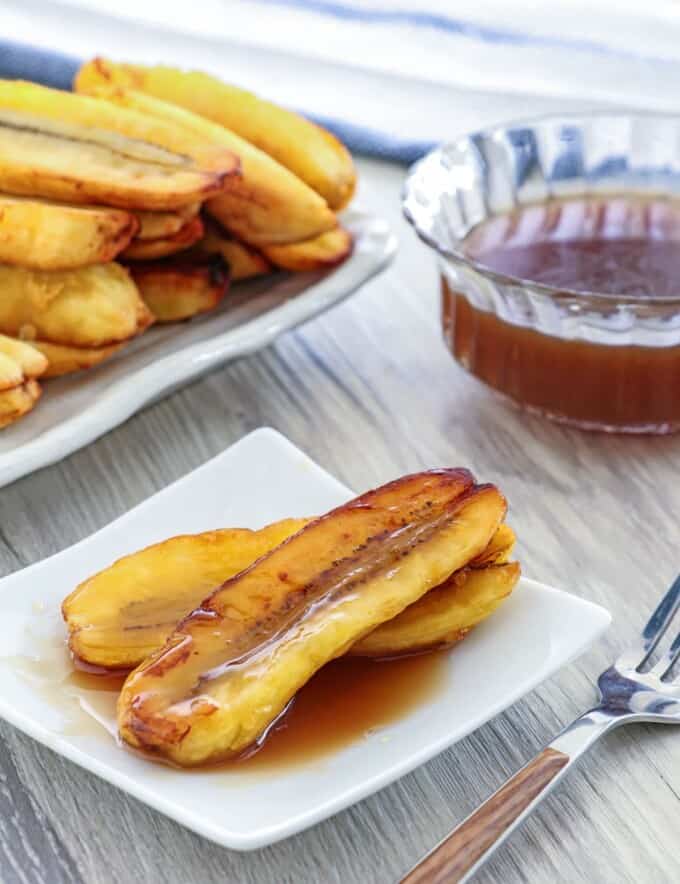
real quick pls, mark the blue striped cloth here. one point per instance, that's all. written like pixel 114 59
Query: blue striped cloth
pixel 21 62
pixel 389 77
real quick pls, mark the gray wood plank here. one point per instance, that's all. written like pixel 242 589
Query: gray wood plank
pixel 370 392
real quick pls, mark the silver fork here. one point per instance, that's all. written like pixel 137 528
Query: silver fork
pixel 628 692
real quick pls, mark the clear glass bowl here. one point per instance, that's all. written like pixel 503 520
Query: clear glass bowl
pixel 593 360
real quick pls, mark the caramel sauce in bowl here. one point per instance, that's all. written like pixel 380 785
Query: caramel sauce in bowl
pixel 559 247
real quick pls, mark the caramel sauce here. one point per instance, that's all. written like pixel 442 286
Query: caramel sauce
pixel 343 703
pixel 617 246
pixel 346 701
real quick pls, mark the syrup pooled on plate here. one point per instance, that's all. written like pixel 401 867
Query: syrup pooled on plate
pixel 345 701
pixel 618 247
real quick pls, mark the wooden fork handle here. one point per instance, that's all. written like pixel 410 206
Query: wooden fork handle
pixel 490 823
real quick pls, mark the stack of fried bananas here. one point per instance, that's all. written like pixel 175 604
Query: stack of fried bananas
pixel 409 567
pixel 139 196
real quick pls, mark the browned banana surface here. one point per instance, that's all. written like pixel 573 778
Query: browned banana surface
pixel 445 615
pixel 124 613
pixel 17 402
pixel 320 253
pixel 232 666
pixel 180 287
pixel 64 359
pixel 81 149
pixel 45 235
pixel 153 249
pixel 119 616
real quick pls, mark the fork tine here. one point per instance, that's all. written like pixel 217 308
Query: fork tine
pixel 656 626
pixel 666 663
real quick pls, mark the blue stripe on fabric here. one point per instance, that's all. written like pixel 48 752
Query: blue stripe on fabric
pixel 22 62
pixel 19 61
pixel 459 27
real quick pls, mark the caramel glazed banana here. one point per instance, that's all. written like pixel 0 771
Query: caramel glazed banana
pixel 232 666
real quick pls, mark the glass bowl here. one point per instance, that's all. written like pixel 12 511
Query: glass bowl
pixel 595 360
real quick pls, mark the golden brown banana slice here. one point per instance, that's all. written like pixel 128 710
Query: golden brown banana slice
pixel 244 261
pixel 308 150
pixel 153 249
pixel 63 359
pixel 443 616
pixel 90 307
pixel 16 403
pixel 499 550
pixel 182 287
pixel 161 225
pixel 79 149
pixel 19 362
pixel 126 612
pixel 267 203
pixel 45 235
pixel 321 253
pixel 231 667
pixel 110 629
pixel 20 365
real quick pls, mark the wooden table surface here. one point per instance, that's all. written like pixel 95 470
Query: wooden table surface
pixel 370 392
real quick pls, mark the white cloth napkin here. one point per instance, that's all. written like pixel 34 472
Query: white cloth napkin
pixel 395 74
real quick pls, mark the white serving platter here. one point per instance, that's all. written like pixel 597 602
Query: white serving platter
pixel 537 631
pixel 77 409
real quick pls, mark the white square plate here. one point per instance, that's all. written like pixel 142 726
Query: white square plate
pixel 76 409
pixel 260 479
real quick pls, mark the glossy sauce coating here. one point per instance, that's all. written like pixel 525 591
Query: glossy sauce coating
pixel 620 247
pixel 232 666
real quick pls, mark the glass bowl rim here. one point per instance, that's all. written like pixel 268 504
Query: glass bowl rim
pixel 462 143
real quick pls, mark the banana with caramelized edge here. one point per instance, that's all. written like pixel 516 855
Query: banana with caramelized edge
pixel 91 307
pixel 499 549
pixel 445 615
pixel 45 235
pixel 244 261
pixel 161 225
pixel 231 667
pixel 180 287
pixel 63 359
pixel 319 253
pixel 266 204
pixel 85 150
pixel 116 618
pixel 20 366
pixel 153 249
pixel 121 615
pixel 308 150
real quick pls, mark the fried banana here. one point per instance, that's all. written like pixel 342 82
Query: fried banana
pixel 161 225
pixel 19 362
pixel 153 249
pixel 308 150
pixel 124 613
pixel 63 359
pixel 444 616
pixel 20 365
pixel 109 629
pixel 91 307
pixel 499 549
pixel 232 666
pixel 267 203
pixel 182 287
pixel 45 235
pixel 16 403
pixel 320 253
pixel 79 149
pixel 244 261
